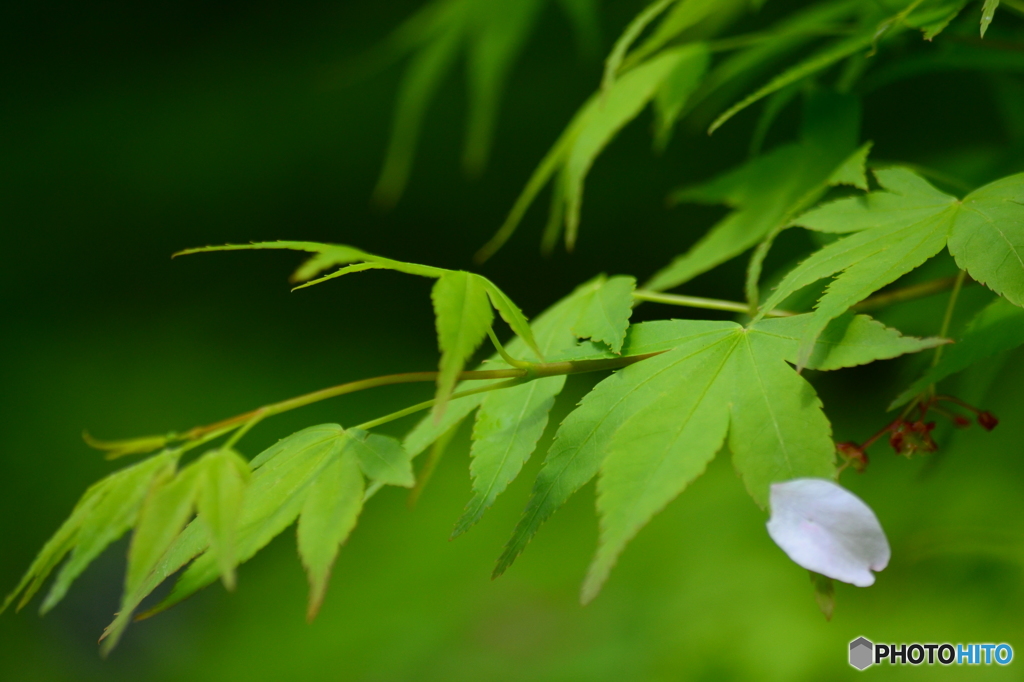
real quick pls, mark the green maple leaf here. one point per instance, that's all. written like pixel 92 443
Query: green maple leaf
pixel 311 473
pixel 897 229
pixel 327 518
pixel 651 428
pixel 463 317
pixel 605 312
pixel 510 422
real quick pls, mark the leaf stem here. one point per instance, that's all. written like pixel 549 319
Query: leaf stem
pixel 241 423
pixel 948 316
pixel 519 364
pixel 700 302
pixel 426 404
pixel 907 293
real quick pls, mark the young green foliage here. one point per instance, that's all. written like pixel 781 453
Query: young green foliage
pixel 510 422
pixel 876 21
pixel 311 473
pixel 214 485
pixel 224 476
pixel 899 228
pixel 462 300
pixel 593 127
pixel 328 516
pixel 686 388
pixel 767 191
pixel 463 318
pixel 651 428
pixel 604 312
pixel 104 513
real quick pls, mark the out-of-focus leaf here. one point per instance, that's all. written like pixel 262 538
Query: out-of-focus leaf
pixel 327 518
pixel 276 494
pixel 189 544
pixel 773 107
pixel 102 515
pixel 604 115
pixel 671 97
pixel 988 12
pixel 769 190
pixel 492 34
pixel 224 477
pixel 273 499
pixel 946 56
pixel 873 27
pixel 934 28
pixel 998 327
pixel 584 17
pixel 810 66
pixel 463 316
pixel 168 507
pixel 111 516
pixel 422 79
pixel 632 31
pixel 495 41
pixel 590 130
pixel 685 15
pixel 736 73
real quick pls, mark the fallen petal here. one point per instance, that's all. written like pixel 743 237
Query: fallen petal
pixel 827 529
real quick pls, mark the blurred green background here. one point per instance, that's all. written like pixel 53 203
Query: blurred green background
pixel 133 130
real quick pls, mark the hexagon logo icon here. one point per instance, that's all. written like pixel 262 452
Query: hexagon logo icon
pixel 861 653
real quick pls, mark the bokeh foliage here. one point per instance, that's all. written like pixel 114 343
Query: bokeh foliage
pixel 142 131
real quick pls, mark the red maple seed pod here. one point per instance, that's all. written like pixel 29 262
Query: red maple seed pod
pixel 854 454
pixel 987 420
pixel 896 440
pixel 928 444
pixel 910 437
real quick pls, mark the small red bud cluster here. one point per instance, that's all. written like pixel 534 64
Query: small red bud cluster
pixel 909 436
pixel 987 420
pixel 852 455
